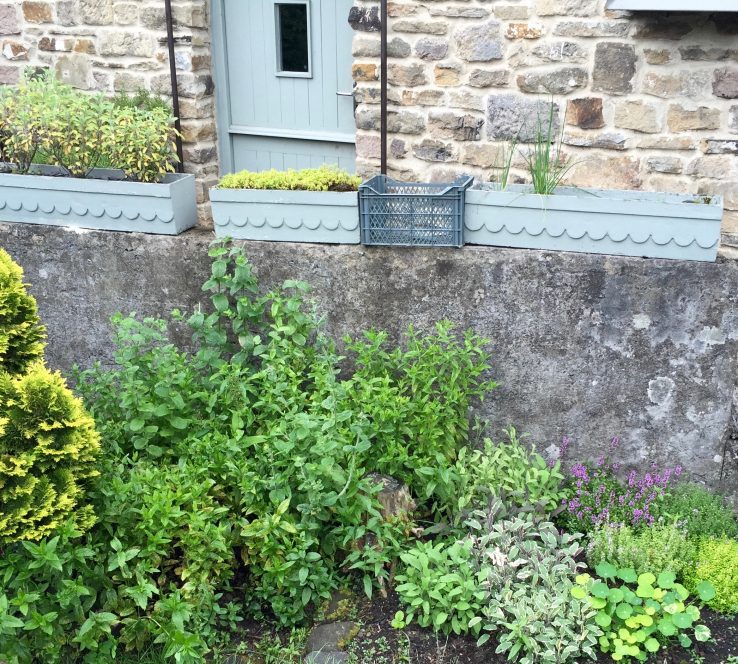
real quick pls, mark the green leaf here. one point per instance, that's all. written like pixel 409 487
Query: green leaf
pixel 606 570
pixel 578 592
pixel 440 619
pixel 666 580
pixel 624 611
pixel 682 620
pixel 599 589
pixel 652 645
pixel 685 641
pixel 603 619
pixel 666 626
pixel 628 574
pixel 705 591
pixel 702 633
pixel 646 579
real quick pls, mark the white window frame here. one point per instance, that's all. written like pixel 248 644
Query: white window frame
pixel 278 43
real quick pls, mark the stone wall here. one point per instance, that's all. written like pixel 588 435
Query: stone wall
pixel 583 345
pixel 120 45
pixel 649 100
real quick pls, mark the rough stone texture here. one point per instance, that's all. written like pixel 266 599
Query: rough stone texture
pixel 431 49
pixel 394 496
pixel 638 116
pixel 583 345
pixel 683 119
pixel 120 45
pixel 483 78
pixel 556 82
pixel 585 113
pixel 510 116
pixel 479 43
pixel 725 84
pixel 614 68
pixel 331 637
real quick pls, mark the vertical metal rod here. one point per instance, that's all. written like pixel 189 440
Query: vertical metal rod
pixel 173 79
pixel 383 88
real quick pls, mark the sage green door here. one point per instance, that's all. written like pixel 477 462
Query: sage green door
pixel 284 83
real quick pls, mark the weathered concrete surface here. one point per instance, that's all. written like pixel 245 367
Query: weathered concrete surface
pixel 584 345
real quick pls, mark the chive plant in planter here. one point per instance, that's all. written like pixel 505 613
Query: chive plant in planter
pixel 545 215
pixel 311 205
pixel 84 160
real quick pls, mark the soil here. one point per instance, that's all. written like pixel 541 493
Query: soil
pixel 379 643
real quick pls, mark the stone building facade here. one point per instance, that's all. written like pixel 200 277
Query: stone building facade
pixel 121 45
pixel 647 100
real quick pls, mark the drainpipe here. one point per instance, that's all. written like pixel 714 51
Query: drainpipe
pixel 383 88
pixel 173 79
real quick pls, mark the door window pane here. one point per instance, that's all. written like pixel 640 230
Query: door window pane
pixel 293 38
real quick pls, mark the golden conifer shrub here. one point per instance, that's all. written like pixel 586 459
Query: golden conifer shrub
pixel 21 333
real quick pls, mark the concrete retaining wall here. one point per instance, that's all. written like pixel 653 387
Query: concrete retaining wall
pixel 584 345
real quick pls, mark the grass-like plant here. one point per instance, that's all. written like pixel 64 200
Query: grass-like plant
pixel 546 162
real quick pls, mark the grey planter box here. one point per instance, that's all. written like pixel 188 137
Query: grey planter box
pixel 105 202
pixel 286 216
pixel 674 5
pixel 625 223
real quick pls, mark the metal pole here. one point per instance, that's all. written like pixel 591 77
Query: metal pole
pixel 173 79
pixel 383 88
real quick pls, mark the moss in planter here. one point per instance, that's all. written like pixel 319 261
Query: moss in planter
pixel 325 178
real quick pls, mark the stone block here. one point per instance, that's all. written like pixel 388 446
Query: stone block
pixel 404 122
pixel 728 189
pixel 483 78
pixel 128 82
pixel 638 116
pixel 152 18
pixel 84 46
pixel 661 27
pixel 365 19
pixel 680 119
pixel 452 11
pixel 15 50
pixel 63 44
pixel 512 12
pixel 524 30
pixel 557 51
pixel 515 116
pixel 126 42
pixel 673 165
pixel 484 155
pixel 395 9
pixel 431 49
pixel 717 167
pixel 592 29
pixel 479 43
pixel 605 141
pixel 725 83
pixel 368 146
pixel 686 143
pixel 331 637
pixel 125 13
pixel 717 146
pixel 433 150
pixel 598 171
pixel 585 113
pixel 695 84
pixel 658 56
pixel 447 74
pixel 406 75
pixel 554 82
pixel 362 71
pixel 398 148
pixel 457 126
pixel 614 68
pixel 37 12
pixel 75 69
pixel 96 12
pixel 9 24
pixel 9 75
pixel 428 97
pixel 566 7
pixel 420 27
pixel 700 53
pixel 467 100
pixel 733 119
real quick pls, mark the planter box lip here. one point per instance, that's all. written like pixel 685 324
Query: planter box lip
pixel 672 5
pixel 284 196
pixel 601 201
pixel 112 184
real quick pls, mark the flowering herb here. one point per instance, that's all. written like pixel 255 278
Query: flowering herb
pixel 597 497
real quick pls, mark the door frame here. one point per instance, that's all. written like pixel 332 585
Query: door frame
pixel 223 113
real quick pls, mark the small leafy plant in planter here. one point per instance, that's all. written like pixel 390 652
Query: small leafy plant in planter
pixel 72 158
pixel 309 205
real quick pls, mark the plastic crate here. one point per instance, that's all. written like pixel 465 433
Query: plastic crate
pixel 414 214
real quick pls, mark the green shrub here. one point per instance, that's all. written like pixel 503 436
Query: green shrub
pixel 324 178
pixel 48 450
pixel 717 562
pixel 529 574
pixel 21 333
pixel 509 470
pixel 702 511
pixel 417 397
pixel 142 99
pixel 439 587
pixel 657 549
pixel 640 613
pixel 45 121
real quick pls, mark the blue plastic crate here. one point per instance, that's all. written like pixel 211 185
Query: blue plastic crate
pixel 412 214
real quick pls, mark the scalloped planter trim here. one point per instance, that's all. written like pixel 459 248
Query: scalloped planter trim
pixel 165 208
pixel 286 216
pixel 625 223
